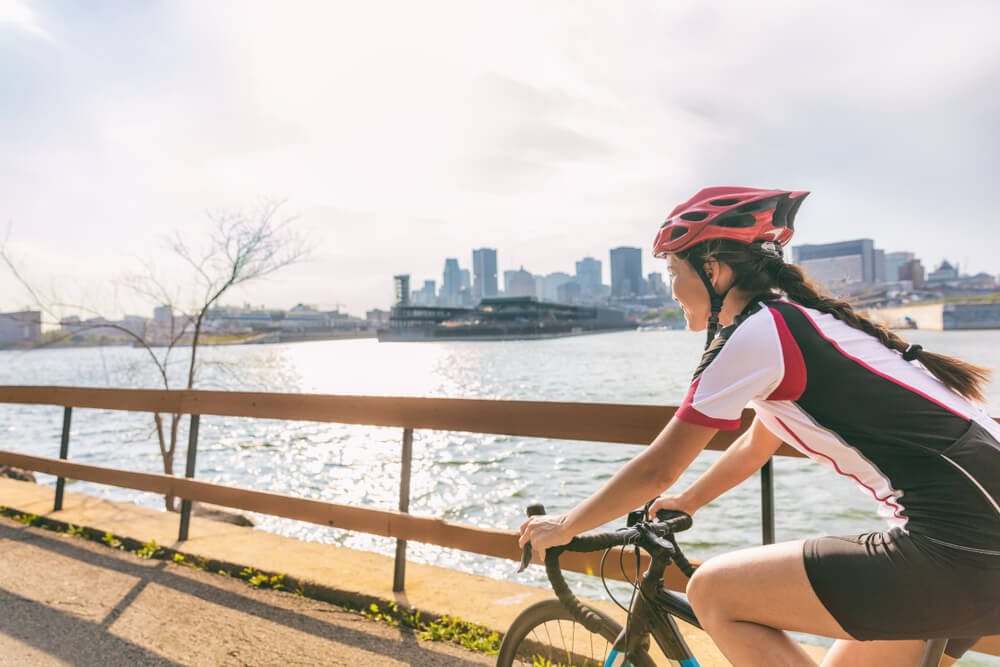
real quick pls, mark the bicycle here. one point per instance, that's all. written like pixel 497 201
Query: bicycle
pixel 538 637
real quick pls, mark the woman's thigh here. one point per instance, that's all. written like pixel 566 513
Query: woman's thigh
pixel 766 585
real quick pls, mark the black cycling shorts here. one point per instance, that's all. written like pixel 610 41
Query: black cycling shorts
pixel 894 585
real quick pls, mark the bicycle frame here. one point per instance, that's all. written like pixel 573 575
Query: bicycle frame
pixel 652 614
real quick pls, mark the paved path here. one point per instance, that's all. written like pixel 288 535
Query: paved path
pixel 69 601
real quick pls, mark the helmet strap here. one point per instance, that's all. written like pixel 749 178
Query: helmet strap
pixel 716 301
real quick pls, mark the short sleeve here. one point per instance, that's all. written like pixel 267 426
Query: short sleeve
pixel 749 365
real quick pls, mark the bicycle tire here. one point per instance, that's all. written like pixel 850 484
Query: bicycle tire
pixel 547 631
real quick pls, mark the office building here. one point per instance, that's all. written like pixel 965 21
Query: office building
pixel 21 328
pixel 401 285
pixel 893 262
pixel 426 295
pixel 451 285
pixel 655 284
pixel 914 272
pixel 484 273
pixel 551 284
pixel 519 283
pixel 588 274
pixel 842 264
pixel 626 272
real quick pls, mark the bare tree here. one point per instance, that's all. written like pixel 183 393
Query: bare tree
pixel 241 248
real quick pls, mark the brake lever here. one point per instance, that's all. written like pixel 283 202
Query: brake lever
pixel 650 535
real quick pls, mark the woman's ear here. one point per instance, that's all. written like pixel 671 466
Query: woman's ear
pixel 711 268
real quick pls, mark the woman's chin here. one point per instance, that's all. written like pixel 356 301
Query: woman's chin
pixel 701 326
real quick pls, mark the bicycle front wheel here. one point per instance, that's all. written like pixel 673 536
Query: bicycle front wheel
pixel 546 635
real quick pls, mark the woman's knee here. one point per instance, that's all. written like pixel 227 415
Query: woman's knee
pixel 705 588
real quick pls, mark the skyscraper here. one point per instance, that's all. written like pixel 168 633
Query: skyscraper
pixel 519 283
pixel 588 274
pixel 452 282
pixel 401 283
pixel 484 271
pixel 626 272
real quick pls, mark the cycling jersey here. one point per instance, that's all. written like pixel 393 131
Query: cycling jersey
pixel 929 457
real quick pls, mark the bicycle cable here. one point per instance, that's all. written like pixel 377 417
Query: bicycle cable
pixel 604 582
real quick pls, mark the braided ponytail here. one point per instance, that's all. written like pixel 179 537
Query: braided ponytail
pixel 758 272
pixel 959 376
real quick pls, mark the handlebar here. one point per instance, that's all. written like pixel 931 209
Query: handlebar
pixel 658 533
pixel 656 536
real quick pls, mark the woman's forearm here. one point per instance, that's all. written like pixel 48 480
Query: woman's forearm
pixel 644 477
pixel 743 458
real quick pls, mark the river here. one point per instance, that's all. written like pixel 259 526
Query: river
pixel 483 480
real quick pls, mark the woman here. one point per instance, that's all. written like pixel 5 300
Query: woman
pixel 897 419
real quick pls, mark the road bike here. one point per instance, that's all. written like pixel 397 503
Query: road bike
pixel 569 633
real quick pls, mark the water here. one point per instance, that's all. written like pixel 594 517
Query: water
pixel 483 480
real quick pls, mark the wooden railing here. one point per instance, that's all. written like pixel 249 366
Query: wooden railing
pixel 595 422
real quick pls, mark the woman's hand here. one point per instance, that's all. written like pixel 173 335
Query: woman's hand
pixel 543 532
pixel 671 502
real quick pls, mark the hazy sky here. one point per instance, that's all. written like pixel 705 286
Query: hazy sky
pixel 402 133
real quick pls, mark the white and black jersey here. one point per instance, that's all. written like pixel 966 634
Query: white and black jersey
pixel 929 457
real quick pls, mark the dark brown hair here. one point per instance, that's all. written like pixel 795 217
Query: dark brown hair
pixel 759 272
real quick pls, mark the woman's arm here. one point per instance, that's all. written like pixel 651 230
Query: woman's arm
pixel 741 459
pixel 642 478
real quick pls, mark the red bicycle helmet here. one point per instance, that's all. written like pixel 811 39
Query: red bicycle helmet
pixel 741 214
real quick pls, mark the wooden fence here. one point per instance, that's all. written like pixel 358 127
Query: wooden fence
pixel 594 422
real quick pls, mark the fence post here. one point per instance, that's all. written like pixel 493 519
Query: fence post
pixel 63 453
pixel 192 452
pixel 767 501
pixel 399 574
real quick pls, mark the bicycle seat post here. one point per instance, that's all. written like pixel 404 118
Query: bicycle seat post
pixel 933 652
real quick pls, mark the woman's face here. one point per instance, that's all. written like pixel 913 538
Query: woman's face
pixel 689 291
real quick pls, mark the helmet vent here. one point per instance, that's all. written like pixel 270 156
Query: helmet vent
pixel 724 202
pixel 758 206
pixel 678 232
pixel 694 216
pixel 738 221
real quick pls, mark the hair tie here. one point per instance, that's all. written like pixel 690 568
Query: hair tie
pixel 911 352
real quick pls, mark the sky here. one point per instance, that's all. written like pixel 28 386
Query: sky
pixel 403 133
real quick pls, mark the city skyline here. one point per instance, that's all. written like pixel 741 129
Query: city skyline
pixel 400 143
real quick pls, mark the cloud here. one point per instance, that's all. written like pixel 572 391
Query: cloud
pixel 16 14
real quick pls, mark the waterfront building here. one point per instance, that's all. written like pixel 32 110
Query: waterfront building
pixel 588 274
pixel 626 272
pixel 519 283
pixel 451 283
pixel 551 284
pixel 425 296
pixel 500 318
pixel 377 316
pixel 569 292
pixel 893 262
pixel 163 315
pixel 913 271
pixel 24 327
pixel 302 317
pixel 654 281
pixel 401 289
pixel 944 273
pixel 484 271
pixel 842 265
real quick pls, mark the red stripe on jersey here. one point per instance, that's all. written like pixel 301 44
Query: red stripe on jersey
pixel 794 381
pixel 896 508
pixel 688 413
pixel 875 370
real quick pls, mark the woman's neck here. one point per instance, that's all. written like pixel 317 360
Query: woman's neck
pixel 734 304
